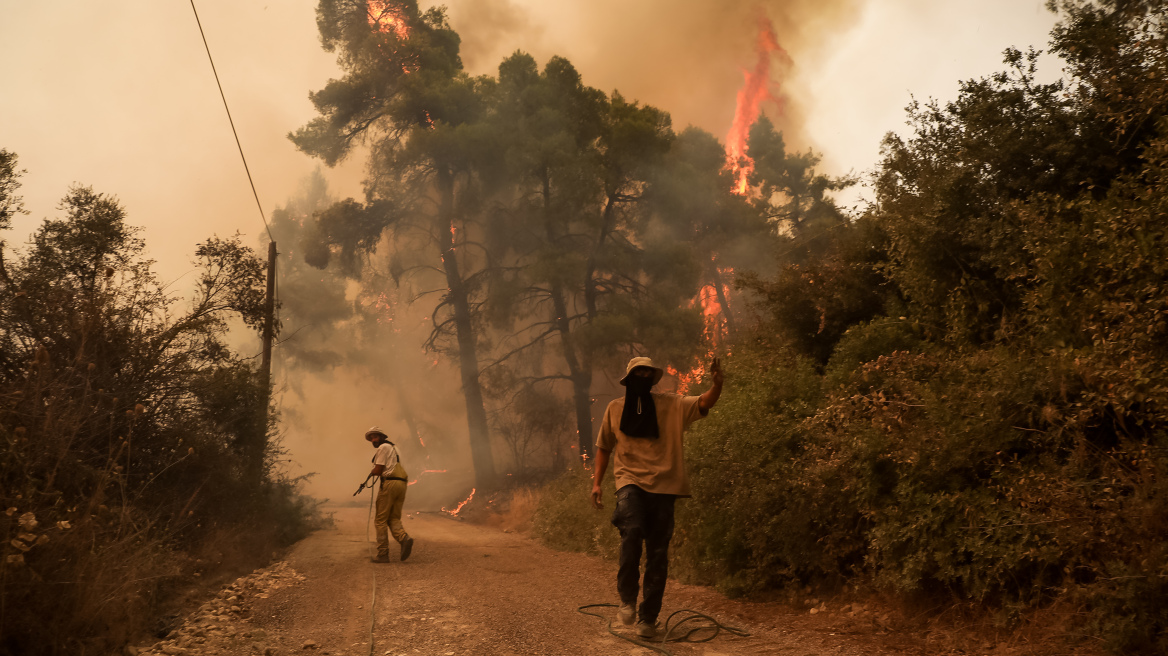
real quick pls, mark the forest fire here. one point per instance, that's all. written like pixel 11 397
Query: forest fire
pixel 755 90
pixel 714 331
pixel 388 17
pixel 454 513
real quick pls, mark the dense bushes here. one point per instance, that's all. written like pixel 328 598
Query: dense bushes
pixel 134 441
pixel 989 427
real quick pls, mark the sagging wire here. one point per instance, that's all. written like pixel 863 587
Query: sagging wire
pixel 263 217
pixel 238 144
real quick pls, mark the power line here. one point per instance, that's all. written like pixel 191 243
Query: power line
pixel 263 217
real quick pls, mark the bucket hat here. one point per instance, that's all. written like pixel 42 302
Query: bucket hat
pixel 642 362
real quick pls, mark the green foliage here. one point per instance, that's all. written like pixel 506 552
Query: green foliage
pixel 865 342
pixel 961 394
pixel 756 520
pixel 566 520
pixel 10 203
pixel 131 433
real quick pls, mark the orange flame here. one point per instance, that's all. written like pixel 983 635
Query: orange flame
pixel 713 316
pixel 454 512
pixel 387 16
pixel 755 89
pixel 426 471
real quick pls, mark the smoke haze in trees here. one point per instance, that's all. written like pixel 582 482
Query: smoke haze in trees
pixel 353 358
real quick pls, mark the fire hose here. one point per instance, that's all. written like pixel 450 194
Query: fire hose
pixel 671 628
pixel 368 523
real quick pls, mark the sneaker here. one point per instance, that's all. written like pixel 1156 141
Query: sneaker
pixel 407 546
pixel 647 630
pixel 626 614
pixel 381 558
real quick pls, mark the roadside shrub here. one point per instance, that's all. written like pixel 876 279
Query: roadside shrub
pixel 566 520
pixel 755 522
pixel 131 434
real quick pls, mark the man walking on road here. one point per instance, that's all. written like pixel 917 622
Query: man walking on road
pixel 390 497
pixel 642 434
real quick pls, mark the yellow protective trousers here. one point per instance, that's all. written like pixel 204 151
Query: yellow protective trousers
pixel 390 499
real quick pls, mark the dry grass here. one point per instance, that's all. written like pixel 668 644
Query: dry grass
pixel 513 510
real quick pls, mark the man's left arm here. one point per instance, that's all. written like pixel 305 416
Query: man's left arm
pixel 707 400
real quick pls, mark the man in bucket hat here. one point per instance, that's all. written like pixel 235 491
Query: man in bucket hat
pixel 642 434
pixel 390 497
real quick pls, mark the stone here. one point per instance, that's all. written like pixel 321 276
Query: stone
pixel 309 644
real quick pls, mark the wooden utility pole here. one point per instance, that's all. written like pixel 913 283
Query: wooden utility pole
pixel 269 323
pixel 261 446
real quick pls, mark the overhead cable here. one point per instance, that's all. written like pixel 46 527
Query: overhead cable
pixel 263 217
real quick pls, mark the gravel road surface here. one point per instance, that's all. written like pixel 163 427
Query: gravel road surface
pixel 475 590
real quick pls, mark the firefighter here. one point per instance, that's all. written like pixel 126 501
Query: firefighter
pixel 390 496
pixel 642 434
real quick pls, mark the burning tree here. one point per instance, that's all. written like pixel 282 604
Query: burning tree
pixel 405 95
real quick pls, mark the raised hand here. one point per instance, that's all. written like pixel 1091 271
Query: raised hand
pixel 716 371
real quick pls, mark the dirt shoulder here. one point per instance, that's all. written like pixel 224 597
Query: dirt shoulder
pixel 477 590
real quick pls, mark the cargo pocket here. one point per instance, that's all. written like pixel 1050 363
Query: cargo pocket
pixel 620 513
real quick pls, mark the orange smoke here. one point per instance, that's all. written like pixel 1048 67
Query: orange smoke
pixel 387 16
pixel 755 89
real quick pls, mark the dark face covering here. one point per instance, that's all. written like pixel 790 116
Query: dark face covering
pixel 639 418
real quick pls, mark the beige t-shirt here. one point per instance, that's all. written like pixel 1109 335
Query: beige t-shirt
pixel 386 455
pixel 653 464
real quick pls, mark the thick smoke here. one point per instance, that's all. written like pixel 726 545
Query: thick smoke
pixel 351 357
pixel 685 57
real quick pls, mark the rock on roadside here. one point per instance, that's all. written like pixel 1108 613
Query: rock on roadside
pixel 222 625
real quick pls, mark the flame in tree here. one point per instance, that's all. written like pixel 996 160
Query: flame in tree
pixel 388 17
pixel 755 90
pixel 714 332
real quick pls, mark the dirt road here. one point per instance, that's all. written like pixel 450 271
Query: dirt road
pixel 473 590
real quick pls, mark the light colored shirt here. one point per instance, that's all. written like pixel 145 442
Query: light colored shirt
pixel 386 455
pixel 653 464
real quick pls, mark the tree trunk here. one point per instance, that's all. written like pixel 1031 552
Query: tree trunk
pixel 407 415
pixel 590 291
pixel 255 466
pixel 581 377
pixel 716 278
pixel 476 413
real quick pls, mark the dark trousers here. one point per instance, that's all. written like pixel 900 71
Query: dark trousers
pixel 643 517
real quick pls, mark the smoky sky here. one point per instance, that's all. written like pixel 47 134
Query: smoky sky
pixel 854 64
pixel 119 95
